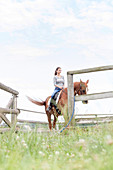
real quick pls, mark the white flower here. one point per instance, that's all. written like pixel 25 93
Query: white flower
pixel 17 137
pixel 43 143
pixel 7 156
pixel 25 145
pixel 108 137
pixel 41 153
pixel 81 141
pixel 22 141
pixel 27 127
pixel 57 153
pixel 109 140
pixel 50 156
pixel 95 146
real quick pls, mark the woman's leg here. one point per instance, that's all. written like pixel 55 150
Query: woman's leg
pixel 52 100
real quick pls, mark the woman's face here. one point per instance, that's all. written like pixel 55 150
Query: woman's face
pixel 59 71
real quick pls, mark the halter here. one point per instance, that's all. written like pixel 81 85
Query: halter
pixel 81 91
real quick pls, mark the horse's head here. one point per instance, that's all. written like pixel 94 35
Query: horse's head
pixel 81 88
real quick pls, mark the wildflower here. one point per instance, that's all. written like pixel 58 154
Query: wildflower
pixel 108 137
pixel 7 151
pixel 25 145
pixel 57 153
pixel 17 137
pixel 94 147
pixel 48 146
pixel 43 143
pixel 109 140
pixel 81 154
pixel 67 154
pixel 41 153
pixel 22 141
pixel 82 141
pixel 7 156
pixel 103 150
pixel 72 155
pixel 50 156
pixel 27 127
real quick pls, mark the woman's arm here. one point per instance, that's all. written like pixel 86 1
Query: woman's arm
pixel 59 86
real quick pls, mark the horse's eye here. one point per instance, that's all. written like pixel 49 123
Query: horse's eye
pixel 83 91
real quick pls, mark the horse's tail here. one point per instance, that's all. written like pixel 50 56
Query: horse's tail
pixel 40 103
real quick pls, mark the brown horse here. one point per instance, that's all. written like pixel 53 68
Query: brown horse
pixel 80 88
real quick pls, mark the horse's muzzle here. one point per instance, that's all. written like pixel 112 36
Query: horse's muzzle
pixel 85 102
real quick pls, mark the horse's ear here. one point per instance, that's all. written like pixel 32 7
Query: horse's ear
pixel 87 81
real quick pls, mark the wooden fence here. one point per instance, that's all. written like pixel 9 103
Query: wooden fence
pixel 11 107
pixel 88 96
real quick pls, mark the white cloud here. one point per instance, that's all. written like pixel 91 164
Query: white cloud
pixel 99 14
pixel 23 52
pixel 17 16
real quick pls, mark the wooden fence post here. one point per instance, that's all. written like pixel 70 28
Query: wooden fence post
pixel 70 96
pixel 14 116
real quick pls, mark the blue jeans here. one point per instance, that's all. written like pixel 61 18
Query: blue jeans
pixel 55 91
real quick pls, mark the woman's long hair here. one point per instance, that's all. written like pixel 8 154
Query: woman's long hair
pixel 56 70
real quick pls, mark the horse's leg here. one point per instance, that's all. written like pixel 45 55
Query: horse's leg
pixel 54 122
pixel 49 120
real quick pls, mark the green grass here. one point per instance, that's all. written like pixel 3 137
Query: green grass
pixel 89 148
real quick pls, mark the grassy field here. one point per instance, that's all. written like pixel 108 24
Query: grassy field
pixel 89 148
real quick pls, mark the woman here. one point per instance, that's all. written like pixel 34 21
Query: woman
pixel 58 81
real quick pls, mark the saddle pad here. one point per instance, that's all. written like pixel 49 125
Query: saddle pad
pixel 58 97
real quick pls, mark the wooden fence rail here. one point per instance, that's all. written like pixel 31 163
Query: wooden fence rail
pixel 8 89
pixel 30 121
pixel 94 96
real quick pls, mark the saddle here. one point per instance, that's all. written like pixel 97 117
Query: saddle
pixel 56 97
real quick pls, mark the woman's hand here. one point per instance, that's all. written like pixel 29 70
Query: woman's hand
pixel 60 87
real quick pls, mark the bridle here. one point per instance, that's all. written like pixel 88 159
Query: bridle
pixel 80 90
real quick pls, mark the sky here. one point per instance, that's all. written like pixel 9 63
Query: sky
pixel 36 36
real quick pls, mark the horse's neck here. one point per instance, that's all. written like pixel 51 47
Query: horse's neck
pixel 65 89
pixel 76 87
pixel 77 84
